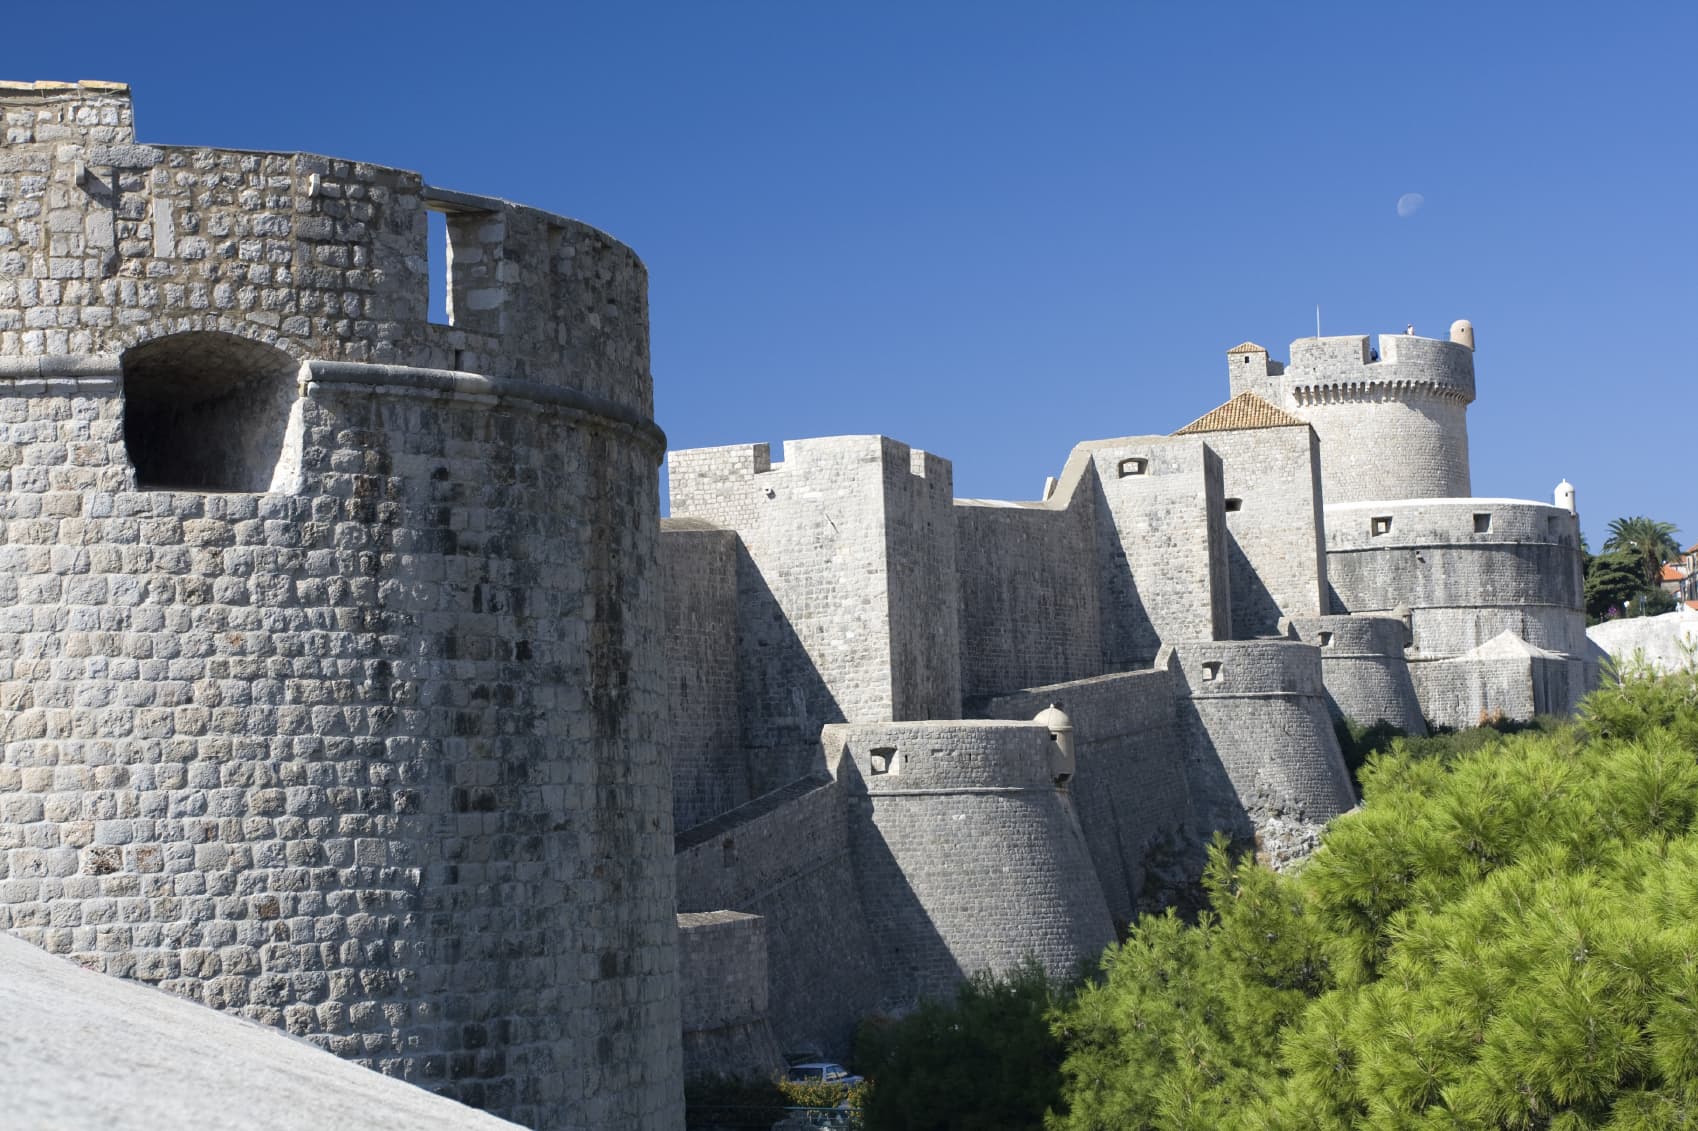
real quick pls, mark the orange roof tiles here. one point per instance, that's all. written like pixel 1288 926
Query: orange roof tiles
pixel 1246 410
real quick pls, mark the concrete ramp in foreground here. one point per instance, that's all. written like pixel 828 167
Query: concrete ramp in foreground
pixel 83 1050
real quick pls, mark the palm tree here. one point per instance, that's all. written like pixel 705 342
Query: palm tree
pixel 1650 542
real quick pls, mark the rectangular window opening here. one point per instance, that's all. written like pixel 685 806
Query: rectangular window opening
pixel 884 760
pixel 1133 465
pixel 1483 523
pixel 1211 671
pixel 1326 640
pixel 1380 524
pixel 1234 504
pixel 437 256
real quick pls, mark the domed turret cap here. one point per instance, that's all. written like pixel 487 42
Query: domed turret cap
pixel 1061 760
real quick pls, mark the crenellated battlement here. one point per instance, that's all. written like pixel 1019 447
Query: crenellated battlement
pixel 110 244
pixel 1344 369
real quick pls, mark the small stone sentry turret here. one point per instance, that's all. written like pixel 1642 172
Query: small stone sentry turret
pixel 1565 497
pixel 1060 727
pixel 1462 332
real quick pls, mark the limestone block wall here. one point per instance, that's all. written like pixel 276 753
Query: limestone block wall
pixel 967 854
pixel 698 581
pixel 1129 788
pixel 1363 668
pixel 827 562
pixel 1463 693
pixel 363 740
pixel 786 856
pixel 1161 544
pixel 925 634
pixel 722 978
pixel 1254 713
pixel 1029 592
pixel 1505 678
pixel 1276 545
pixel 1466 569
pixel 1395 428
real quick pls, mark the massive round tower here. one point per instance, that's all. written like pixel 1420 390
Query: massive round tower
pixel 329 634
pixel 1392 421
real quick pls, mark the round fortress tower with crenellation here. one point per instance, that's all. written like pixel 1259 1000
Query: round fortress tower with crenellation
pixel 1392 421
pixel 330 646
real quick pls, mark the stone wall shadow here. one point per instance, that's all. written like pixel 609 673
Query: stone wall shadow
pixel 1255 612
pixel 783 700
pixel 910 958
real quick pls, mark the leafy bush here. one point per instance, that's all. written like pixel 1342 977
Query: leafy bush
pixel 985 1061
pixel 732 1102
pixel 1502 936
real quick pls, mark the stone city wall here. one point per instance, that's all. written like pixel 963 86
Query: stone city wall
pixel 1161 544
pixel 814 596
pixel 1271 482
pixel 722 979
pixel 698 580
pixel 786 857
pixel 1467 570
pixel 1129 787
pixel 925 635
pixel 1028 584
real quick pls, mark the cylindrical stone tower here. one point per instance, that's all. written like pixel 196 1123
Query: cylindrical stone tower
pixel 1392 424
pixel 1362 664
pixel 1260 741
pixel 968 853
pixel 328 634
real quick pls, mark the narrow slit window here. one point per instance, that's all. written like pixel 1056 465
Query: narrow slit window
pixel 436 252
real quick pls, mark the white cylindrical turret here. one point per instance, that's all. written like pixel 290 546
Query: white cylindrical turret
pixel 1462 332
pixel 1565 496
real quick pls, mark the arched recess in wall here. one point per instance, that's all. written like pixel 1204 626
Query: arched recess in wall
pixel 207 411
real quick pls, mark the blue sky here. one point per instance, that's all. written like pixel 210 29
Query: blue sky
pixel 993 230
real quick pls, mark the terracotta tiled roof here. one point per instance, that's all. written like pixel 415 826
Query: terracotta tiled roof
pixel 1673 573
pixel 1246 347
pixel 1246 410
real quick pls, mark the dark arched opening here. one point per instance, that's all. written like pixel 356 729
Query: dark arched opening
pixel 206 411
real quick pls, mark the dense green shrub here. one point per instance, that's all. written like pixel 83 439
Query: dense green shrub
pixel 986 1061
pixel 1502 936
